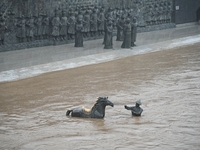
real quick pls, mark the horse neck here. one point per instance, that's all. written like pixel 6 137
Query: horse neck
pixel 100 108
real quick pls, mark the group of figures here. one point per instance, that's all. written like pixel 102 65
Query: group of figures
pixel 126 32
pixel 87 21
pixel 157 12
pixel 98 109
pixel 125 24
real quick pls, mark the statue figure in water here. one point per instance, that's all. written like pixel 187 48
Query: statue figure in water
pixel 97 111
pixel 136 110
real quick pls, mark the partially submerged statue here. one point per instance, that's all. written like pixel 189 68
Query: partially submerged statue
pixel 136 110
pixel 97 111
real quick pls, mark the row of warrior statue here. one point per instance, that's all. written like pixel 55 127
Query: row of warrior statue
pixel 62 26
pixel 158 12
pixel 126 30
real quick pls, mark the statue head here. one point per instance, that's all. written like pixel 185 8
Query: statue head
pixel 128 20
pixel 64 13
pixel 138 103
pixel 134 19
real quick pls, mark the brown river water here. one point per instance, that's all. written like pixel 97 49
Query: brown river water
pixel 32 111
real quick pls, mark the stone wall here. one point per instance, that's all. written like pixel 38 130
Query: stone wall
pixel 151 15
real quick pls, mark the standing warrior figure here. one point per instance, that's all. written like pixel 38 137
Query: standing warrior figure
pixel 71 26
pixel 93 23
pixel 38 24
pixel 45 27
pixel 55 23
pixel 3 29
pixel 133 32
pixel 63 26
pixel 80 15
pixel 120 26
pixel 127 35
pixel 30 28
pixel 101 22
pixel 21 34
pixel 78 34
pixel 108 35
pixel 86 24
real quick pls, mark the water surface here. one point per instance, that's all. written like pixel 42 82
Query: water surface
pixel 32 110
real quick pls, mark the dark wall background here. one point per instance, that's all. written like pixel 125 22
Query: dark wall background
pixel 185 11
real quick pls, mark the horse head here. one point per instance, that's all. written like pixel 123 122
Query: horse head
pixel 104 101
pixel 98 110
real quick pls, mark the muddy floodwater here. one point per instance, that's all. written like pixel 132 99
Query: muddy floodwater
pixel 32 111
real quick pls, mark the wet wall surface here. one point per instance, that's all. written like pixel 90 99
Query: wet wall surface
pixel 32 110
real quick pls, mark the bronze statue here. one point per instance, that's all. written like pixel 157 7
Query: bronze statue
pixel 133 32
pixel 78 34
pixel 120 26
pixel 97 111
pixel 95 14
pixel 127 35
pixel 136 110
pixel 108 43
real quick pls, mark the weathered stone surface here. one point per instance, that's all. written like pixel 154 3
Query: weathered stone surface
pixel 18 34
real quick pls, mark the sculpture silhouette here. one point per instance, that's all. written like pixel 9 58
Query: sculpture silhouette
pixel 136 110
pixel 78 34
pixel 127 35
pixel 108 35
pixel 97 111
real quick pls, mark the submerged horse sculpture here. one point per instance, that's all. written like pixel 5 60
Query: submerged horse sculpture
pixel 97 111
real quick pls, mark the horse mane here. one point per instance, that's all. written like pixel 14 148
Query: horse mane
pixel 99 100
